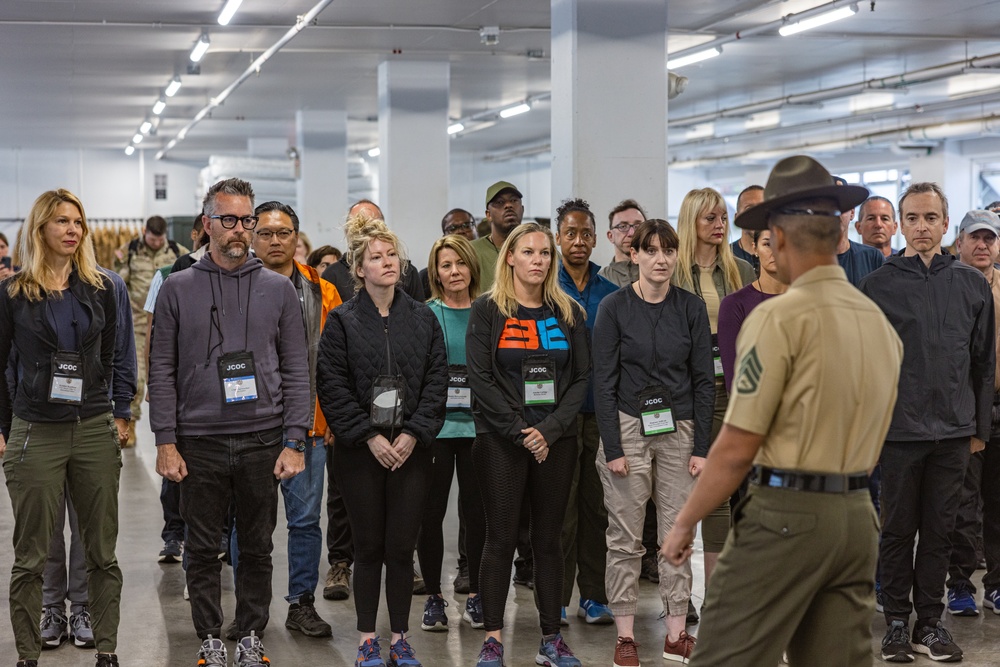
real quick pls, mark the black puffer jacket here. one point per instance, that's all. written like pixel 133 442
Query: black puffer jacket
pixel 352 353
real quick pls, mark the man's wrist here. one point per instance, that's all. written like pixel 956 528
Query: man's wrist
pixel 297 445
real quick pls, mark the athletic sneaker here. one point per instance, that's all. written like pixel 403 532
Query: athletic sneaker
pixel 213 653
pixel 462 582
pixel 553 652
pixel 879 599
pixel 524 574
pixel 401 655
pixel 991 600
pixel 474 611
pixel 369 654
pixel 595 613
pixel 81 630
pixel 434 618
pixel 680 650
pixel 107 660
pixel 250 652
pixel 626 653
pixel 170 553
pixel 961 602
pixel 302 617
pixel 936 643
pixel 563 621
pixel 896 643
pixel 491 655
pixel 692 615
pixel 338 582
pixel 54 627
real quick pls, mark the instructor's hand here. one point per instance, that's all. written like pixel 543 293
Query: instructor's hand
pixel 170 463
pixel 678 545
pixel 290 463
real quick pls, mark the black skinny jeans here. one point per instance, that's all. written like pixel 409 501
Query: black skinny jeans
pixel 448 455
pixel 509 476
pixel 385 509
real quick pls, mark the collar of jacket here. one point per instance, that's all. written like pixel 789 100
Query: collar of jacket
pixel 914 264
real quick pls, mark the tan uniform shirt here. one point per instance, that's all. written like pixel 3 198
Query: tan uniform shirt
pixel 138 271
pixel 817 373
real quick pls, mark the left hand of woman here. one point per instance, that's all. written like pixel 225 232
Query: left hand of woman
pixel 695 465
pixel 535 443
pixel 403 446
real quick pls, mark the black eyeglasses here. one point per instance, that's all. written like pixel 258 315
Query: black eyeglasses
pixel 807 211
pixel 451 229
pixel 229 221
pixel 624 227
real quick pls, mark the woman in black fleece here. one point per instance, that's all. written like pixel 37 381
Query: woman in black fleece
pixel 382 382
pixel 529 363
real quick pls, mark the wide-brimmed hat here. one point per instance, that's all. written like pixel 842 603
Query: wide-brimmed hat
pixel 794 179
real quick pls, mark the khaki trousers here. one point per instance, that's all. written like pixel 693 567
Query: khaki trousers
pixel 661 463
pixel 797 571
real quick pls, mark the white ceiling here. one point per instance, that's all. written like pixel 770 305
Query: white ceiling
pixel 86 73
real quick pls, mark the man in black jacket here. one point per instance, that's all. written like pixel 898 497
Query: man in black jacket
pixel 943 312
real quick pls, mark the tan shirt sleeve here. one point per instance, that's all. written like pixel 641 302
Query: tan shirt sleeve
pixel 764 363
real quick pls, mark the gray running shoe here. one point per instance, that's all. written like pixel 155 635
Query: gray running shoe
pixel 213 653
pixel 250 652
pixel 81 630
pixel 54 627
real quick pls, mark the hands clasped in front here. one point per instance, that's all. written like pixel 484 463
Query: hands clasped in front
pixel 535 443
pixel 392 455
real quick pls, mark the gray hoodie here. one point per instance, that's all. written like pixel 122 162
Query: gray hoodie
pixel 208 311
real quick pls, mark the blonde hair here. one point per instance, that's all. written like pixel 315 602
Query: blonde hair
pixel 552 294
pixel 694 205
pixel 361 229
pixel 32 252
pixel 465 252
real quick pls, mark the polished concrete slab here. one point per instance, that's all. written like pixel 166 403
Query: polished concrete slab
pixel 156 624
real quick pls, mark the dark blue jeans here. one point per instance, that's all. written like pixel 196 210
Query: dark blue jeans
pixel 224 469
pixel 303 507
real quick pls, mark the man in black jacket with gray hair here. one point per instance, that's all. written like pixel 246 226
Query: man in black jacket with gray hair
pixel 943 312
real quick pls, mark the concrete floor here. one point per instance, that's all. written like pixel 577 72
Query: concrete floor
pixel 156 626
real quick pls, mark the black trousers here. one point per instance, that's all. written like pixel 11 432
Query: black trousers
pixel 986 495
pixel 339 544
pixel 921 486
pixel 224 469
pixel 170 501
pixel 968 527
pixel 451 455
pixel 509 478
pixel 385 509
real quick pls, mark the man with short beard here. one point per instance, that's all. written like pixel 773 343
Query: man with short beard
pixel 504 210
pixel 230 407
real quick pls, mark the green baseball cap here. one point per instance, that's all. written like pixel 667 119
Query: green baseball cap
pixel 499 187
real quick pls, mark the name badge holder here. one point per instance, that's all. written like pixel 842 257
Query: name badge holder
pixel 387 401
pixel 66 381
pixel 539 375
pixel 238 377
pixel 656 413
pixel 716 356
pixel 459 392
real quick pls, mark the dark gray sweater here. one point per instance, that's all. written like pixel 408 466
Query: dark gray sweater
pixel 624 362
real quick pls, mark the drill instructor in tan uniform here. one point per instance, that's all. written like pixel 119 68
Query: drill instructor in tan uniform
pixel 817 378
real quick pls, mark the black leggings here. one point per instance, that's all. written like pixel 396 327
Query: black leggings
pixel 385 509
pixel 448 454
pixel 509 476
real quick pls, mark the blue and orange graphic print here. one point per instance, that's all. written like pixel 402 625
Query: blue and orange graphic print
pixel 532 334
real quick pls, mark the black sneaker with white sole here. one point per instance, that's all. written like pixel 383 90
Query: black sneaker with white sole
pixel 896 643
pixel 936 643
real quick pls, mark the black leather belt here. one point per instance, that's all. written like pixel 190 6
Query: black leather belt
pixel 805 481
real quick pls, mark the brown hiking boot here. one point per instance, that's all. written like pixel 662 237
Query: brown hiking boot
pixel 626 653
pixel 338 582
pixel 679 651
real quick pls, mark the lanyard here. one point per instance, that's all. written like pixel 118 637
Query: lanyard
pixel 654 323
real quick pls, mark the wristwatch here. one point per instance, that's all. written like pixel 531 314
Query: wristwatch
pixel 297 445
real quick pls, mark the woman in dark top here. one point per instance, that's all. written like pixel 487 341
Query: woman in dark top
pixel 59 316
pixel 654 394
pixel 382 379
pixel 529 363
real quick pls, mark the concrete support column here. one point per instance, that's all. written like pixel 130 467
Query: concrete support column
pixel 609 106
pixel 413 140
pixel 953 171
pixel 321 187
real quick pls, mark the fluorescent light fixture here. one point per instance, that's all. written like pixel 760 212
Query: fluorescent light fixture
pixel 870 101
pixel 972 83
pixel 228 11
pixel 137 139
pixel 173 87
pixel 515 110
pixel 129 149
pixel 763 119
pixel 200 47
pixel 700 131
pixel 159 107
pixel 817 21
pixel 374 152
pixel 455 128
pixel 696 57
pixel 145 127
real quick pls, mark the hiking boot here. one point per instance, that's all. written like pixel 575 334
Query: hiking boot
pixel 434 618
pixel 54 627
pixel 338 582
pixel 170 553
pixel 474 611
pixel 369 654
pixel 553 652
pixel 401 655
pixel 936 643
pixel 27 663
pixel 107 660
pixel 626 653
pixel 679 651
pixel 896 643
pixel 213 653
pixel 302 617
pixel 491 655
pixel 80 629
pixel 250 653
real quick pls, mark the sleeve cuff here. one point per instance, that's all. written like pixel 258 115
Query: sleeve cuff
pixel 122 410
pixel 166 437
pixel 295 433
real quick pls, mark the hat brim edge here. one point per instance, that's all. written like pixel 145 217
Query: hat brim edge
pixel 847 196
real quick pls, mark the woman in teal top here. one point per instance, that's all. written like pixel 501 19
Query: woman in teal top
pixel 453 273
